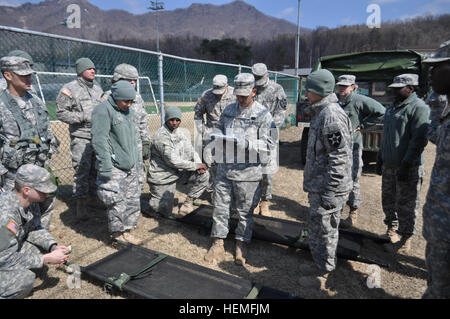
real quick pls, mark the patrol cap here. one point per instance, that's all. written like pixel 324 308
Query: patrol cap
pixel 125 71
pixel 442 54
pixel 16 64
pixel 172 112
pixel 123 91
pixel 83 64
pixel 403 80
pixel 346 80
pixel 259 70
pixel 220 82
pixel 244 84
pixel 35 177
pixel 320 82
pixel 22 54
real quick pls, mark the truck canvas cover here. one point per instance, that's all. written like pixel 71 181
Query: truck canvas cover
pixel 375 65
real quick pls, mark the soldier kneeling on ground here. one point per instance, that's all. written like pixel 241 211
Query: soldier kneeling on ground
pixel 22 237
pixel 173 160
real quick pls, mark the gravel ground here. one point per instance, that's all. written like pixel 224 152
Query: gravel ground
pixel 269 264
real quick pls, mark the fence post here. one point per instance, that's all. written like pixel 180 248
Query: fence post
pixel 161 87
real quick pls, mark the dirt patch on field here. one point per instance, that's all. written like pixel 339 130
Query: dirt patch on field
pixel 269 264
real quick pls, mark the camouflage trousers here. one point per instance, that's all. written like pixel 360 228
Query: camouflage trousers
pixel 17 282
pixel 162 196
pixel 266 187
pixel 323 233
pixel 436 223
pixel 83 162
pixel 354 198
pixel 401 200
pixel 244 196
pixel 121 196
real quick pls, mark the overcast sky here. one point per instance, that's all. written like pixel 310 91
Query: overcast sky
pixel 314 13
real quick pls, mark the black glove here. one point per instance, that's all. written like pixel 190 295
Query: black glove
pixel 379 167
pixel 145 150
pixel 328 201
pixel 403 173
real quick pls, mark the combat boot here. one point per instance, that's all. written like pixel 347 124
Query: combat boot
pixel 118 239
pixel 392 234
pixel 216 251
pixel 241 251
pixel 187 207
pixel 351 219
pixel 130 238
pixel 257 209
pixel 405 246
pixel 264 208
pixel 82 212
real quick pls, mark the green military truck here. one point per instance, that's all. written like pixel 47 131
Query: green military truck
pixel 374 72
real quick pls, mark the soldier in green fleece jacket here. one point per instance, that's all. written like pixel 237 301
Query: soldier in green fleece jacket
pixel 405 129
pixel 116 148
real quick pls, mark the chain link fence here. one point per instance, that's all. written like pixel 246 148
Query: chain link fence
pixel 183 80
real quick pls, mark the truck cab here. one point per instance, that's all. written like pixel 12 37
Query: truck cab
pixel 374 72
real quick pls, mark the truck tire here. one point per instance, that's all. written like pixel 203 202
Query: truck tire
pixel 304 145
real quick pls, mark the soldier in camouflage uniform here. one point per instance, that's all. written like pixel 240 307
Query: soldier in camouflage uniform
pixel 437 103
pixel 245 139
pixel 24 244
pixel 327 173
pixel 436 211
pixel 363 112
pixel 74 105
pixel 116 147
pixel 272 96
pixel 405 127
pixel 212 103
pixel 129 73
pixel 22 54
pixel 25 131
pixel 174 160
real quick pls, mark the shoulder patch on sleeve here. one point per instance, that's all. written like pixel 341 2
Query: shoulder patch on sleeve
pixel 66 92
pixel 13 227
pixel 333 136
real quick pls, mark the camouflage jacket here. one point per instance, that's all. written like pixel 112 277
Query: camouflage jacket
pixel 437 104
pixel 256 141
pixel 17 226
pixel 74 105
pixel 436 213
pixel 328 168
pixel 25 132
pixel 172 152
pixel 211 106
pixel 140 118
pixel 273 97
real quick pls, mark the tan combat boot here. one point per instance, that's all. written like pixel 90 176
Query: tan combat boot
pixel 216 251
pixel 82 212
pixel 118 239
pixel 130 238
pixel 405 247
pixel 394 237
pixel 187 207
pixel 264 208
pixel 351 219
pixel 257 209
pixel 241 251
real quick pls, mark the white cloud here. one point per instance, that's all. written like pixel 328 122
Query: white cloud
pixel 11 3
pixel 288 12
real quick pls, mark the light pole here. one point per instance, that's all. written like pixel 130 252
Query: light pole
pixel 297 42
pixel 157 6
